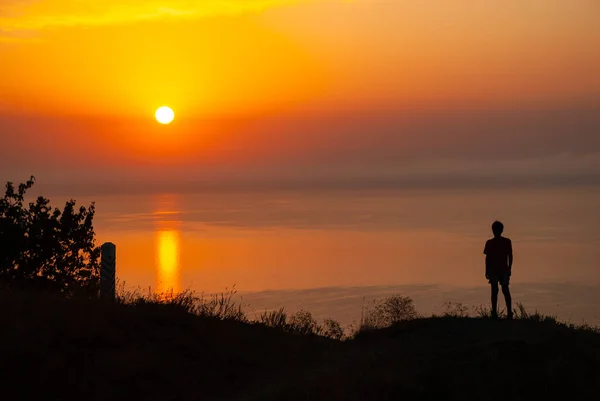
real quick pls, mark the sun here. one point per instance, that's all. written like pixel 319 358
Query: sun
pixel 164 115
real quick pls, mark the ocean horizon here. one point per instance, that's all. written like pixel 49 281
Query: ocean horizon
pixel 333 251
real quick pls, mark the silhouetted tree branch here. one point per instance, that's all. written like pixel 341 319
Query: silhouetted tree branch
pixel 45 249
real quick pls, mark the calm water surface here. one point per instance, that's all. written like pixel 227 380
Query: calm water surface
pixel 326 251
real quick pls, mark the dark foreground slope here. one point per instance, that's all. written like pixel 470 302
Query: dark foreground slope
pixel 53 349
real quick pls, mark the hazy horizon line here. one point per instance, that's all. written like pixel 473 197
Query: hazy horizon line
pixel 132 186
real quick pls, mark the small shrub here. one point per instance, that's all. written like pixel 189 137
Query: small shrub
pixel 455 309
pixel 333 329
pixel 304 323
pixel 386 312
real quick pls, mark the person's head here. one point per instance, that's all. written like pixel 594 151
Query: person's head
pixel 497 228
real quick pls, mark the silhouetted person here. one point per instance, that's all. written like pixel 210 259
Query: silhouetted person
pixel 498 266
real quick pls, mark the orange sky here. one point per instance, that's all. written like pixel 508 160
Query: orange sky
pixel 267 83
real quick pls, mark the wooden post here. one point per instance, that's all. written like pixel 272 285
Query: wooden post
pixel 108 271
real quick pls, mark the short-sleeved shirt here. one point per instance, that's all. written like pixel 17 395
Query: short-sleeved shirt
pixel 497 251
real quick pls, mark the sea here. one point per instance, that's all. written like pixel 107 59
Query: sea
pixel 334 252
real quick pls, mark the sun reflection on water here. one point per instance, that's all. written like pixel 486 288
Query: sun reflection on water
pixel 168 248
pixel 168 261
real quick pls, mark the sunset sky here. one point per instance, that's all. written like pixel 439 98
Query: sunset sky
pixel 298 91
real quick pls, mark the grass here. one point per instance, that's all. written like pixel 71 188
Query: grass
pixel 379 314
pixel 219 306
pixel 191 347
pixel 223 306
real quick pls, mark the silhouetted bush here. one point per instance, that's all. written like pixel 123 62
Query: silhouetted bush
pixel 333 329
pixel 43 248
pixel 303 322
pixel 387 311
pixel 455 309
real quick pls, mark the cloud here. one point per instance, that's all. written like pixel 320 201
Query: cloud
pixel 35 15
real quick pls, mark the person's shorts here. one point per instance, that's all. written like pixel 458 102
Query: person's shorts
pixel 502 279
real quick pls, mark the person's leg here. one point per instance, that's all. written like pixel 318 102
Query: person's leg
pixel 494 285
pixel 508 299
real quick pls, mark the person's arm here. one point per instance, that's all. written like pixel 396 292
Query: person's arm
pixel 510 256
pixel 485 252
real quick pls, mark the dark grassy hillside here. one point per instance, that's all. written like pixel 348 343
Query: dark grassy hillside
pixel 466 359
pixel 53 349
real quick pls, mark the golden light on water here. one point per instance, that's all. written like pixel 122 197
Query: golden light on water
pixel 167 221
pixel 167 261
